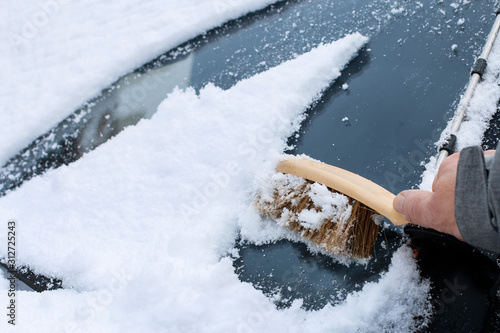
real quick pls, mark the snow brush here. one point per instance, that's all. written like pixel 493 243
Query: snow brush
pixel 334 209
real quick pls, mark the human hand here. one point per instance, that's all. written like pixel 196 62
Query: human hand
pixel 434 209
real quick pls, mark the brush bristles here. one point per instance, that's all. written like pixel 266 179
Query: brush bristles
pixel 346 229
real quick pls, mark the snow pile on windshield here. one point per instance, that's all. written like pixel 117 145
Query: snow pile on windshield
pixel 139 229
pixel 57 54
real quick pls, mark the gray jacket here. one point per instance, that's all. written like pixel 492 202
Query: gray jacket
pixel 477 198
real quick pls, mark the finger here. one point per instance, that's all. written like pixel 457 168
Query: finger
pixel 413 204
pixel 489 152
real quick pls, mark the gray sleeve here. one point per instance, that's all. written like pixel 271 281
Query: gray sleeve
pixel 477 198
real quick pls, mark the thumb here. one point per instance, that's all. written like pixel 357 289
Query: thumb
pixel 413 204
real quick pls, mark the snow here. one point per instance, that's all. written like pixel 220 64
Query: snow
pixel 386 306
pixel 397 11
pixel 58 54
pixel 331 205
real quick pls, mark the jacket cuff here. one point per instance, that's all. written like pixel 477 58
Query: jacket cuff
pixel 472 209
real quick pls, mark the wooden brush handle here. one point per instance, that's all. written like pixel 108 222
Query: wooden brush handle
pixel 359 188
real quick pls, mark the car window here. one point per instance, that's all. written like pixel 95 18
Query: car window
pixel 380 119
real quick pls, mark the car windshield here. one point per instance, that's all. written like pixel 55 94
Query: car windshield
pixel 380 118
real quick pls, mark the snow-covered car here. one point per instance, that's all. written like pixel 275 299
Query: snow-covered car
pixel 135 135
